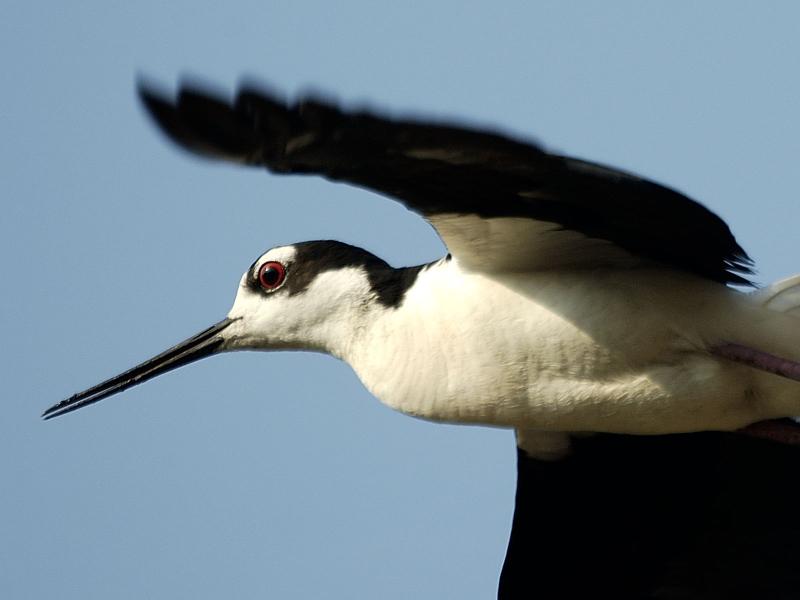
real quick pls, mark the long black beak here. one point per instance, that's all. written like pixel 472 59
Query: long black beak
pixel 203 344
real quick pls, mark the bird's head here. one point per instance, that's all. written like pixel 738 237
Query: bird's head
pixel 306 296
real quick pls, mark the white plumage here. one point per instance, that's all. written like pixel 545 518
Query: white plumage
pixel 576 298
pixel 582 350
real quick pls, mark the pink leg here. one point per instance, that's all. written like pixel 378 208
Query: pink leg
pixel 758 360
pixel 786 431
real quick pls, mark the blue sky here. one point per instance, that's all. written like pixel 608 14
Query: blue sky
pixel 254 475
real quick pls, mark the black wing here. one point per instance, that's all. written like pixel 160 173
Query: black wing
pixel 575 209
pixel 686 516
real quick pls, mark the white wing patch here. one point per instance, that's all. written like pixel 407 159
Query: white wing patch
pixel 543 445
pixel 783 296
pixel 450 156
pixel 521 244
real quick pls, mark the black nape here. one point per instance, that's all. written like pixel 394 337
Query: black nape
pixel 312 258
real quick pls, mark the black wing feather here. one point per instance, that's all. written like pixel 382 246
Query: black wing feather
pixel 689 516
pixel 435 169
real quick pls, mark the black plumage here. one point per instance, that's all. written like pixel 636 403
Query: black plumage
pixel 435 168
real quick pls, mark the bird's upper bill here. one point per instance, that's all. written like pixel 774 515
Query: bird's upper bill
pixel 205 343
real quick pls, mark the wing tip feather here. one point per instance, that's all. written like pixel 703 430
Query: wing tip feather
pixel 200 120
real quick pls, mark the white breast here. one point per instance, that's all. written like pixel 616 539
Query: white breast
pixel 611 350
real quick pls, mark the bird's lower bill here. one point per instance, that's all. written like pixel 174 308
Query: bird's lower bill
pixel 205 343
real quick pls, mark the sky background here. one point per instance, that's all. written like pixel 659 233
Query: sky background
pixel 277 475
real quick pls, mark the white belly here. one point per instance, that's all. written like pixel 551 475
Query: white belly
pixel 592 351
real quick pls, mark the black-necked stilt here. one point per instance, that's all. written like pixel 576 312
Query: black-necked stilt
pixel 575 298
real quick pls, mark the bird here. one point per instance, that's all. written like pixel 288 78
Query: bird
pixel 606 319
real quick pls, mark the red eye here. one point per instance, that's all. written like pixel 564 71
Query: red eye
pixel 271 275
